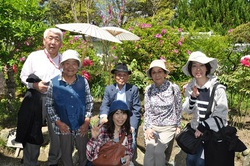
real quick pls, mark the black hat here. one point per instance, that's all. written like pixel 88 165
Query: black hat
pixel 121 67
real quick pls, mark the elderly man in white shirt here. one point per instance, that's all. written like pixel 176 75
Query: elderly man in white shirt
pixel 45 64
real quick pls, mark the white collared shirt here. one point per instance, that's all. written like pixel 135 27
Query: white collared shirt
pixel 39 64
pixel 121 95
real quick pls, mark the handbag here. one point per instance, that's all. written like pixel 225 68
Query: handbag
pixel 110 154
pixel 217 148
pixel 187 140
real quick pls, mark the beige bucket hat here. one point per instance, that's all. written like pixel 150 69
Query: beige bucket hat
pixel 200 57
pixel 71 54
pixel 157 63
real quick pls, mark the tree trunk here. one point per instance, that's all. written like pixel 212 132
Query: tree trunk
pixel 11 88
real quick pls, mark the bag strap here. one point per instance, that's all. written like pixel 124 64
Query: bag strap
pixel 217 122
pixel 122 139
pixel 211 100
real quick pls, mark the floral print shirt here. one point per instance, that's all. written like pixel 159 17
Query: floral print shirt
pixel 163 105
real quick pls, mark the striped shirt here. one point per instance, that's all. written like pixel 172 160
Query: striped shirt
pixel 202 102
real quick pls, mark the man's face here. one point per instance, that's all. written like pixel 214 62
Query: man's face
pixel 121 78
pixel 52 43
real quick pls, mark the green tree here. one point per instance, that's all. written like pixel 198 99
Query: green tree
pixel 22 25
pixel 65 11
pixel 240 34
pixel 216 15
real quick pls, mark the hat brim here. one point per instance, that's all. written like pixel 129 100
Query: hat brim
pixel 127 71
pixel 130 113
pixel 77 59
pixel 212 61
pixel 148 72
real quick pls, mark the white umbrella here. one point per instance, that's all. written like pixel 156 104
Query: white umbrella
pixel 88 29
pixel 121 34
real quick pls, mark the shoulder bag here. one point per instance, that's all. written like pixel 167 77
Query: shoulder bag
pixel 186 138
pixel 187 141
pixel 110 154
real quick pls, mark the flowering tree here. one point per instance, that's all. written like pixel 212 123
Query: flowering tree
pixel 21 25
pixel 111 12
pixel 170 43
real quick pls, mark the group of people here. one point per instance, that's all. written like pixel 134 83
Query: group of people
pixel 60 98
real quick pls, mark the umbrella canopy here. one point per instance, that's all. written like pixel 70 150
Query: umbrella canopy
pixel 88 29
pixel 121 34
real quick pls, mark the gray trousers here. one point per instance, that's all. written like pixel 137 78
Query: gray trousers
pixel 68 142
pixel 54 149
pixel 31 153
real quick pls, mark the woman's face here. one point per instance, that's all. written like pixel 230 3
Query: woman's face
pixel 198 70
pixel 70 67
pixel 119 118
pixel 158 75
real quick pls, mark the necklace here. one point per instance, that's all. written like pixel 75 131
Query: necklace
pixel 51 61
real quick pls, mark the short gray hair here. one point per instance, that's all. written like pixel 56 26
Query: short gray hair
pixel 54 30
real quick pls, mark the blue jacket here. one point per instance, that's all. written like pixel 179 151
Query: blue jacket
pixel 69 102
pixel 132 100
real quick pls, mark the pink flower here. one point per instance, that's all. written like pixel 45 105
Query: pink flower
pixel 130 28
pixel 75 38
pixel 22 59
pixel 27 43
pixel 163 31
pixel 245 60
pixel 144 25
pixel 184 87
pixel 161 42
pixel 71 42
pixel 182 39
pixel 179 43
pixel 230 30
pixel 163 59
pixel 179 29
pixel 87 62
pixel 85 75
pixel 158 35
pixel 188 52
pixel 176 51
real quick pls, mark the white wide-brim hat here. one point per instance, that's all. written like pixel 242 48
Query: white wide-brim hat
pixel 157 63
pixel 200 57
pixel 70 54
